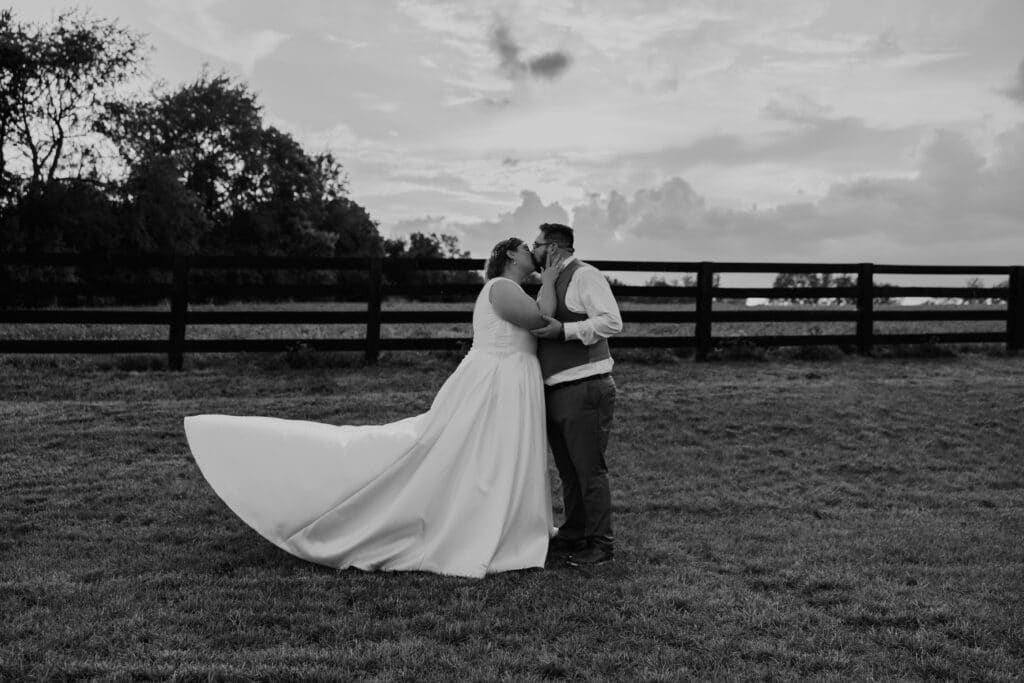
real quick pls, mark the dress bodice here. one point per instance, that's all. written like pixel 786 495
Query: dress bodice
pixel 492 334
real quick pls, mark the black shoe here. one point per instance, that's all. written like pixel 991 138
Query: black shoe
pixel 592 556
pixel 560 544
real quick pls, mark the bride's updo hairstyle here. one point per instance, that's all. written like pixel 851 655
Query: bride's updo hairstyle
pixel 498 259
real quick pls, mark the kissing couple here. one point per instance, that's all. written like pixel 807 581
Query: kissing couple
pixel 463 488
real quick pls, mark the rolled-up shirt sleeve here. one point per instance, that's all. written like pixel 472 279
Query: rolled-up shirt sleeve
pixel 595 295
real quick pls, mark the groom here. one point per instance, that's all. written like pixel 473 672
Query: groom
pixel 579 393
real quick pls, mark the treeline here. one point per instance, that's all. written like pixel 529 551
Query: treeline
pixel 979 294
pixel 193 169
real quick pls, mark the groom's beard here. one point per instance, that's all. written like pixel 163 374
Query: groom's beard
pixel 536 264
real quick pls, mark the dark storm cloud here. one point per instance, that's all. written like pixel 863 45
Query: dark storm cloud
pixel 502 42
pixel 549 65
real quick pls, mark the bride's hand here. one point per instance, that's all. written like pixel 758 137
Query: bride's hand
pixel 552 267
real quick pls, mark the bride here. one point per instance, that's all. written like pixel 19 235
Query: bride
pixel 461 489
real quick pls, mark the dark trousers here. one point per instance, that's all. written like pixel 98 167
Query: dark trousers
pixel 579 421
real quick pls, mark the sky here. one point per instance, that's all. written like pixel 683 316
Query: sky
pixel 726 130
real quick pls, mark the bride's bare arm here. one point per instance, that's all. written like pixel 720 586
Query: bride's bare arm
pixel 514 305
pixel 546 300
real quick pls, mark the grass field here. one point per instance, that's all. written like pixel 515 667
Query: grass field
pixel 853 519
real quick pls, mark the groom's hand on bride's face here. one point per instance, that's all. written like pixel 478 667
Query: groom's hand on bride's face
pixel 553 329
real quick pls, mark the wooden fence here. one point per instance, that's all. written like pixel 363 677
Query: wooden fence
pixel 702 316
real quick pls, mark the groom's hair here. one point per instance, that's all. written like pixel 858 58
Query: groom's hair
pixel 558 233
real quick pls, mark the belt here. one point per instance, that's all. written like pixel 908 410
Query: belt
pixel 562 385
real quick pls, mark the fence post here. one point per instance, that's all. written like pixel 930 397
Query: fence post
pixel 1015 310
pixel 705 281
pixel 179 312
pixel 865 307
pixel 373 310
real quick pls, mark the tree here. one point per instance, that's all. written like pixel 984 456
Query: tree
pixel 797 280
pixel 980 294
pixel 424 246
pixel 194 169
pixel 259 191
pixel 212 129
pixel 209 129
pixel 159 213
pixel 1005 284
pixel 55 80
pixel 977 295
pixel 66 215
pixel 686 281
pixel 355 233
pixel 814 280
pixel 303 199
pixel 15 68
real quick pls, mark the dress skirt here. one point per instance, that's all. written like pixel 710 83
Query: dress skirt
pixel 461 489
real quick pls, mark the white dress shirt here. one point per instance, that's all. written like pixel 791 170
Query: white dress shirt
pixel 589 293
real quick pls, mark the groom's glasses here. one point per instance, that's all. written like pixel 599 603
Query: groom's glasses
pixel 541 244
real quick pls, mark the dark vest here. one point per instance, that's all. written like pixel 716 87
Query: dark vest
pixel 556 355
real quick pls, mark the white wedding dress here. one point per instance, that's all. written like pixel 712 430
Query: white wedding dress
pixel 461 489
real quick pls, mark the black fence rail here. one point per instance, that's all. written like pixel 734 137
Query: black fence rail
pixel 180 290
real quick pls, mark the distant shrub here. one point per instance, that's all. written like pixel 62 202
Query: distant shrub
pixel 928 349
pixel 302 356
pixel 738 350
pixel 822 353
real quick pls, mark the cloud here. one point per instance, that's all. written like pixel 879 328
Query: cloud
pixel 480 237
pixel 957 207
pixel 795 109
pixel 423 224
pixel 1016 90
pixel 549 65
pixel 797 131
pixel 655 212
pixel 373 102
pixel 521 222
pixel 949 163
pixel 196 25
pixel 885 45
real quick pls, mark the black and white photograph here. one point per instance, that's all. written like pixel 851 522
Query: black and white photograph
pixel 511 340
